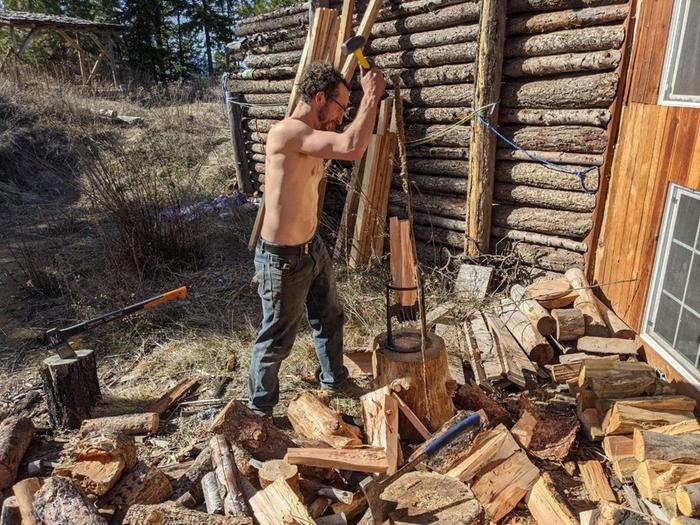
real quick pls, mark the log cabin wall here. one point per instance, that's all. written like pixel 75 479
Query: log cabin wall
pixel 657 145
pixel 562 63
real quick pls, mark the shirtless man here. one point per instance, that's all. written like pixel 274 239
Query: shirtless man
pixel 293 268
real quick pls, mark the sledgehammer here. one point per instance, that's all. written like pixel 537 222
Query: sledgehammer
pixel 372 489
pixel 353 46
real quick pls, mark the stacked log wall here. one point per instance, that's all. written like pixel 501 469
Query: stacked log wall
pixel 560 77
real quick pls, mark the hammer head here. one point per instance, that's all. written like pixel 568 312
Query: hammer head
pixel 354 43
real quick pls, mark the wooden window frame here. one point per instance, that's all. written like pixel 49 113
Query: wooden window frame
pixel 675 35
pixel 673 357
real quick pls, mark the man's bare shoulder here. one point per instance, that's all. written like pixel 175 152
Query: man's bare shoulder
pixel 287 131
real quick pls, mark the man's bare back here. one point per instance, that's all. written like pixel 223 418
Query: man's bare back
pixel 295 150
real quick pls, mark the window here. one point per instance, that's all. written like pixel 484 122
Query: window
pixel 672 320
pixel 680 81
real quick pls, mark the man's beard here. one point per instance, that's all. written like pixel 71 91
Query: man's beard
pixel 326 123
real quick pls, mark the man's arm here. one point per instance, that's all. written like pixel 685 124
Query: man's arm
pixel 352 143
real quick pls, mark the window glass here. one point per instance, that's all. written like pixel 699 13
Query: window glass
pixel 680 83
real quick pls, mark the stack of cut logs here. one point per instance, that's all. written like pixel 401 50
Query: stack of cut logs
pixel 560 75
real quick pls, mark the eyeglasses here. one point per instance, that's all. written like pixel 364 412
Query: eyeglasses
pixel 343 108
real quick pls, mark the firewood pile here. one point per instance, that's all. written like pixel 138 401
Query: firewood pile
pixel 574 428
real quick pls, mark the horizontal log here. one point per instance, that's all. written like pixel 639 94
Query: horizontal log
pixel 544 198
pixel 257 148
pixel 553 222
pixel 265 112
pixel 435 115
pixel 257 157
pixel 437 152
pixel 545 257
pixel 260 26
pixel 259 125
pixel 442 206
pixel 275 14
pixel 287 41
pixel 426 219
pixel 403 42
pixel 265 73
pixel 568 41
pixel 575 139
pixel 554 117
pixel 262 86
pixel 284 58
pixel 568 19
pixel 266 99
pixel 526 6
pixel 552 156
pixel 437 19
pixel 438 134
pixel 445 167
pixel 560 64
pixel 538 238
pixel 433 183
pixel 428 57
pixel 589 91
pixel 431 96
pixel 440 236
pixel 401 9
pixel 433 76
pixel 540 176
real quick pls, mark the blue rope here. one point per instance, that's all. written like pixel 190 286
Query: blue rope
pixel 580 174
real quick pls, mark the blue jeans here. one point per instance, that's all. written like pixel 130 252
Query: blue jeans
pixel 288 285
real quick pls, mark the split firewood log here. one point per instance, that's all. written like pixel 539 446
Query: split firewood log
pixel 60 503
pixel 15 434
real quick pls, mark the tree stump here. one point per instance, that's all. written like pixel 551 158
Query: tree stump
pixel 71 388
pixel 403 367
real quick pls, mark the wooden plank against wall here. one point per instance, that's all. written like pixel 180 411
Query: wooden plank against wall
pixel 652 33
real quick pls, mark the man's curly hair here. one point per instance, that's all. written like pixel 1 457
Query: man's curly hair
pixel 320 76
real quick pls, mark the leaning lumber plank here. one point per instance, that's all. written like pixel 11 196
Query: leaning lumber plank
pixel 172 396
pixel 277 504
pixel 380 414
pixel 99 459
pixel 595 325
pixel 490 447
pixel 596 481
pixel 364 30
pixel 500 489
pixel 535 346
pixel 546 505
pixel 623 419
pixel 688 499
pixel 170 513
pixel 616 380
pixel 130 424
pixel 663 447
pixel 60 503
pixel 25 491
pixel 16 432
pixel 606 345
pixel 253 433
pixel 536 314
pixel 312 418
pixel 654 477
pixel 360 460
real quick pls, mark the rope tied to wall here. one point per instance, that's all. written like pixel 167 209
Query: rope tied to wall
pixel 580 174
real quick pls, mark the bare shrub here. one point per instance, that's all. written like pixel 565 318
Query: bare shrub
pixel 146 228
pixel 40 267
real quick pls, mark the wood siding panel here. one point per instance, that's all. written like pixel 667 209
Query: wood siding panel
pixel 648 59
pixel 658 145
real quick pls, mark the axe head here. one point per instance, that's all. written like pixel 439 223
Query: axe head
pixel 354 43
